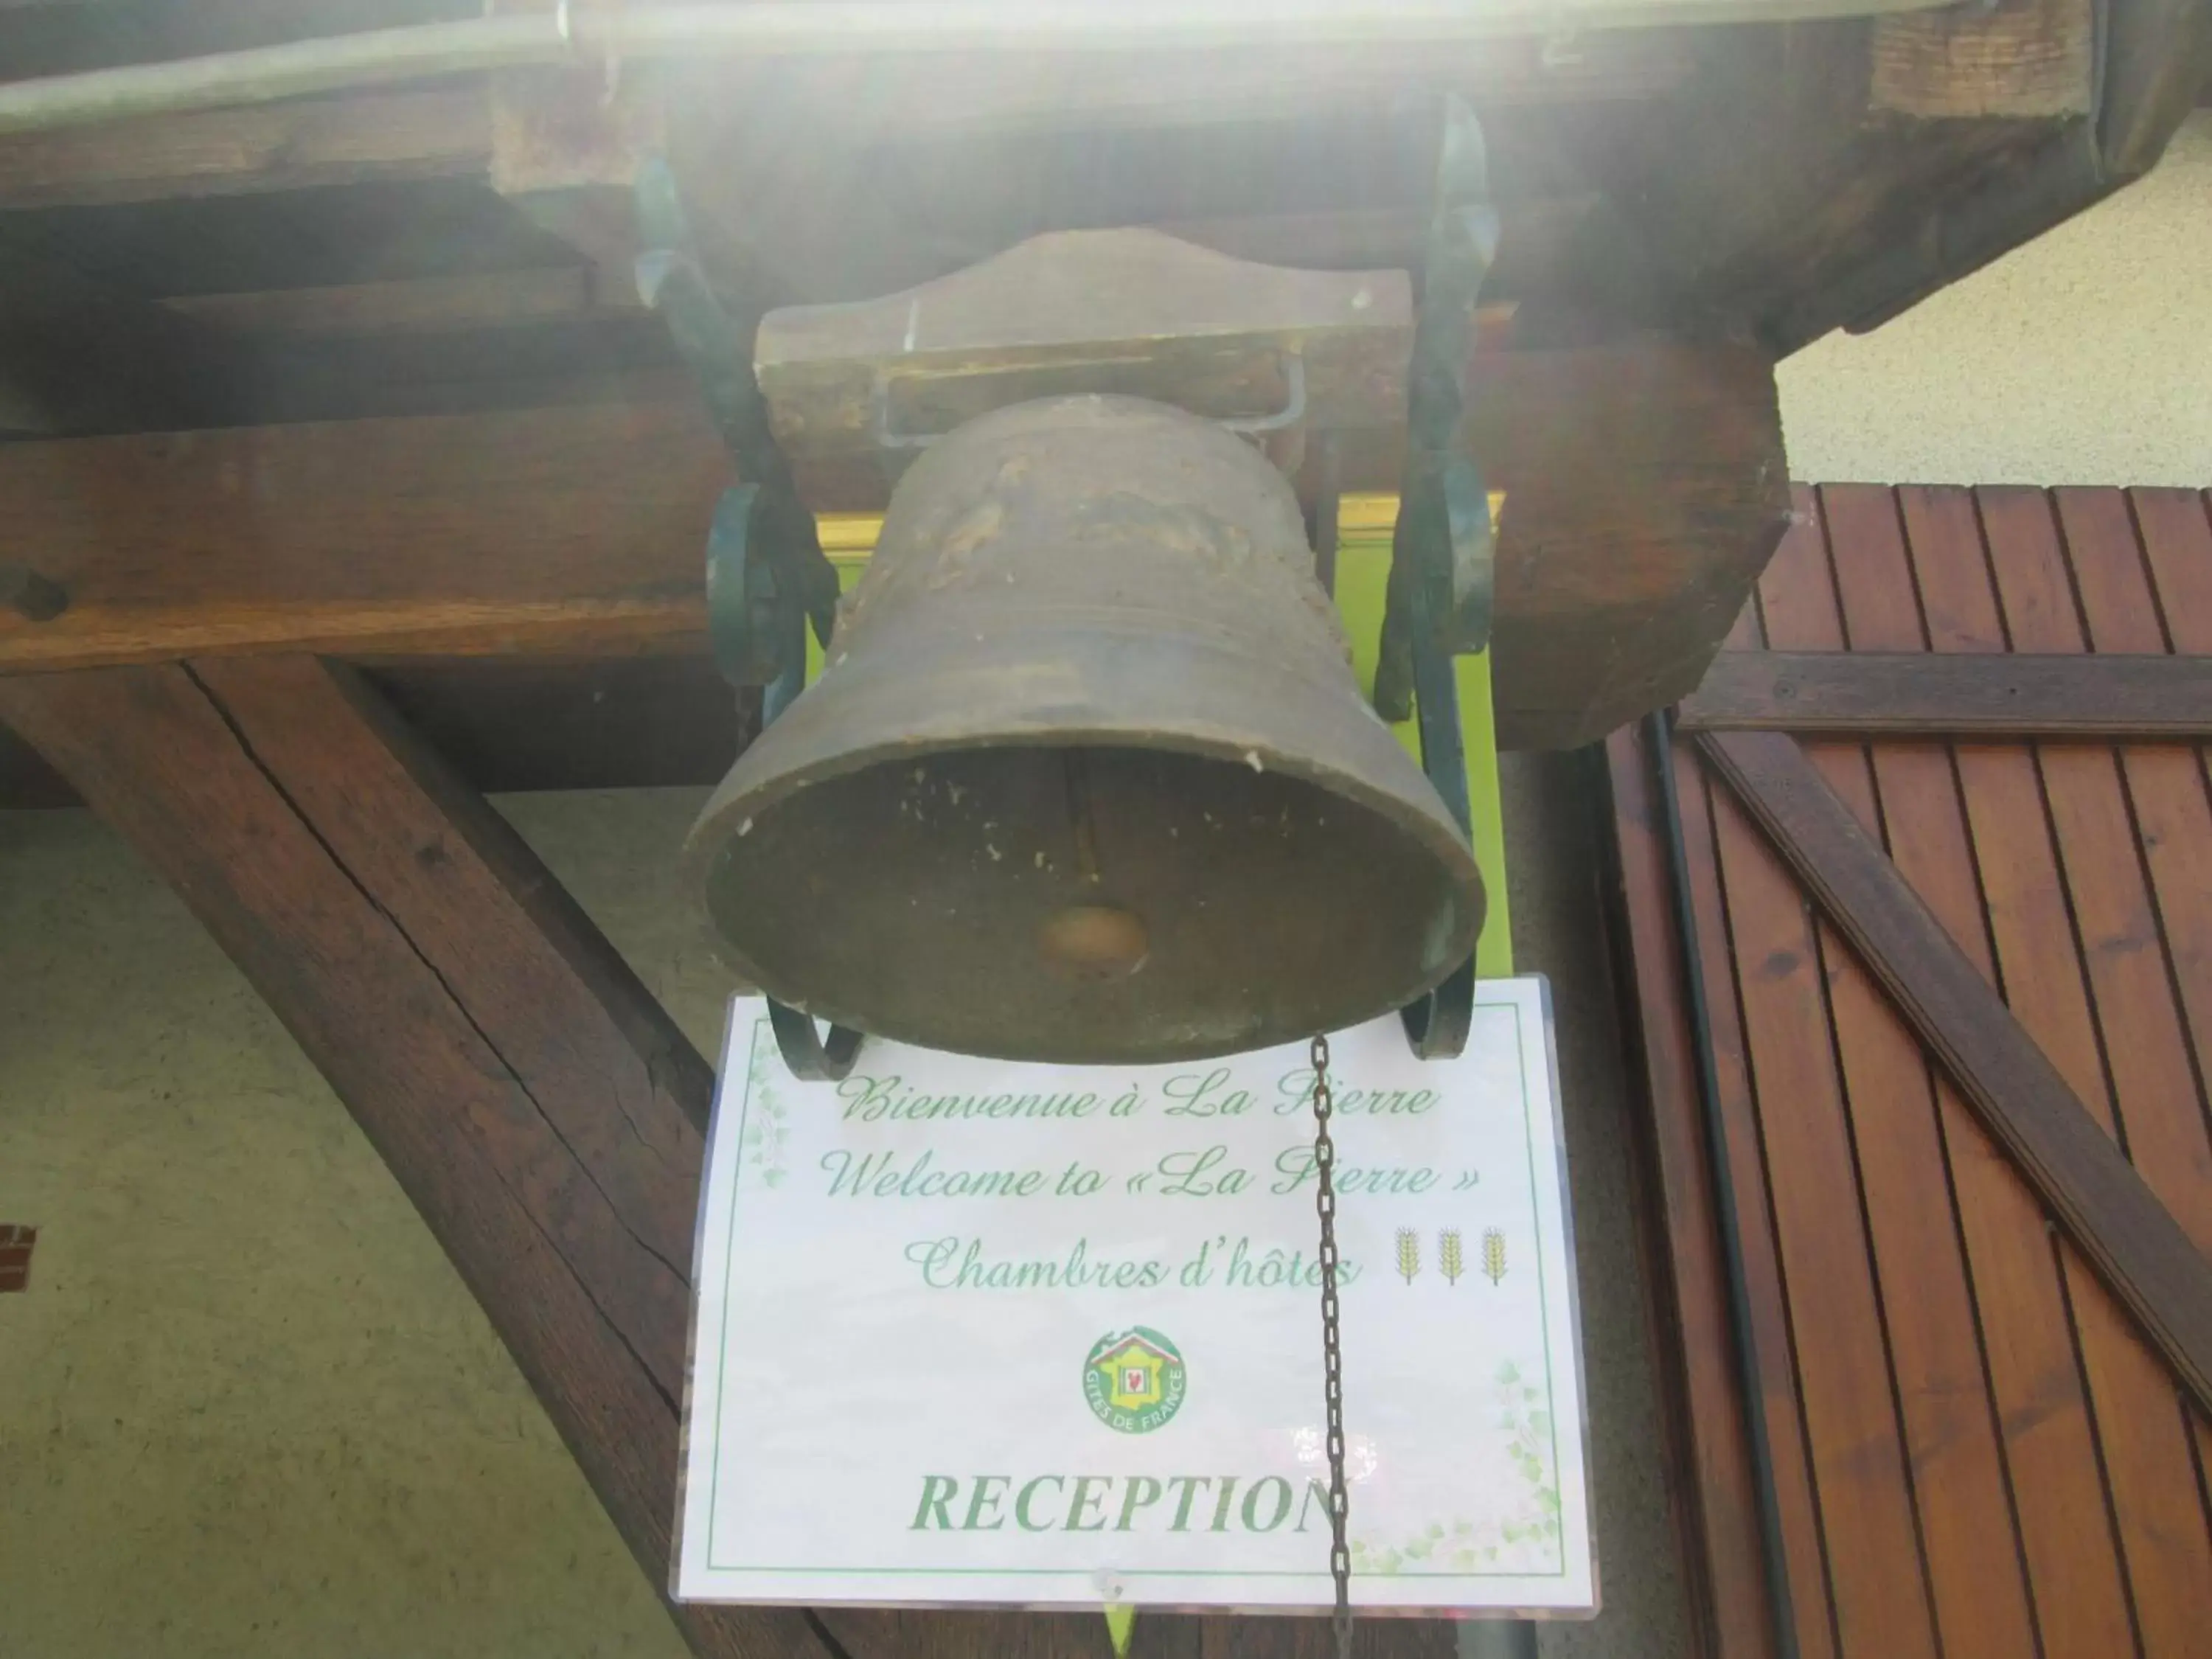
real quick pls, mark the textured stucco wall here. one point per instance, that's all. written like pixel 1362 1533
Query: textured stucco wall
pixel 247 1410
pixel 2084 357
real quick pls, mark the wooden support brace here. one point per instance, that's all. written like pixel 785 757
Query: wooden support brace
pixel 536 1105
pixel 2117 1221
pixel 1917 694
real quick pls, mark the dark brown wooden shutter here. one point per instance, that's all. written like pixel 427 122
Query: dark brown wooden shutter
pixel 1932 1206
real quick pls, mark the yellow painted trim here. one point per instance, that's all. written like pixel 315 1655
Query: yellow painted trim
pixel 853 535
pixel 1357 515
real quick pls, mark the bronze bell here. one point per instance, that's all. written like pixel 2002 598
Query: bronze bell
pixel 1087 777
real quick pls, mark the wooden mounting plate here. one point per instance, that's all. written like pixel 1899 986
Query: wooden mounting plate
pixel 1129 310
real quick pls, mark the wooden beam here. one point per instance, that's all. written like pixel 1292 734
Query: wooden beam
pixel 1828 174
pixel 543 1113
pixel 27 783
pixel 573 531
pixel 2072 1165
pixel 1918 695
pixel 2158 56
pixel 488 299
pixel 566 150
pixel 78 356
pixel 442 132
pixel 1644 485
pixel 1127 310
pixel 2024 59
pixel 868 96
pixel 510 724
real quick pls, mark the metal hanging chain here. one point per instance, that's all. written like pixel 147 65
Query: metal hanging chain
pixel 1331 1352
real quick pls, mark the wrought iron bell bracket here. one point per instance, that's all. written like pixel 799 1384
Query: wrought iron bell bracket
pixel 768 578
pixel 1441 550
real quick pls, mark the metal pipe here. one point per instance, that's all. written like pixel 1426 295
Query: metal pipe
pixel 266 74
pixel 783 28
pixel 1717 1158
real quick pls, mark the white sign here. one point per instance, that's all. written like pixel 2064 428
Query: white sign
pixel 975 1332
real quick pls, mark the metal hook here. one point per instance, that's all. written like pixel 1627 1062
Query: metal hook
pixel 812 1057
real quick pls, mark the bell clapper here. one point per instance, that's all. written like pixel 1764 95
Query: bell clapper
pixel 1095 942
pixel 1090 942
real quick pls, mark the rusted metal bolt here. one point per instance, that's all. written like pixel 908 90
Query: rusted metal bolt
pixel 31 596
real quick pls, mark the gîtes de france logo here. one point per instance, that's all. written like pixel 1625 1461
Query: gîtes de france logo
pixel 1135 1379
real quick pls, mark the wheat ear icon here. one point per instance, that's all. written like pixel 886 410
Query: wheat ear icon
pixel 1449 1256
pixel 1409 1254
pixel 1493 1254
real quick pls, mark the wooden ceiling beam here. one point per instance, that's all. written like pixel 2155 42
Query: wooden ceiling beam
pixel 1645 486
pixel 2028 59
pixel 441 132
pixel 78 356
pixel 2158 57
pixel 490 299
pixel 509 725
pixel 1830 174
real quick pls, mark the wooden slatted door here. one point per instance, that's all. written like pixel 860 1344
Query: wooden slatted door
pixel 1922 961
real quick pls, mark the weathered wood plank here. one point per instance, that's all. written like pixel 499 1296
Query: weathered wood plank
pixel 1960 1490
pixel 441 132
pixel 1127 310
pixel 2020 1286
pixel 524 724
pixel 2032 58
pixel 477 300
pixel 2148 1260
pixel 1785 976
pixel 2142 1447
pixel 1709 1430
pixel 1707 816
pixel 2175 530
pixel 2123 611
pixel 2097 798
pixel 2149 1096
pixel 78 355
pixel 850 98
pixel 1643 487
pixel 2158 57
pixel 1898 694
pixel 577 531
pixel 553 1151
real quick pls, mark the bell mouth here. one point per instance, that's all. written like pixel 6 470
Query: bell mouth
pixel 1087 903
